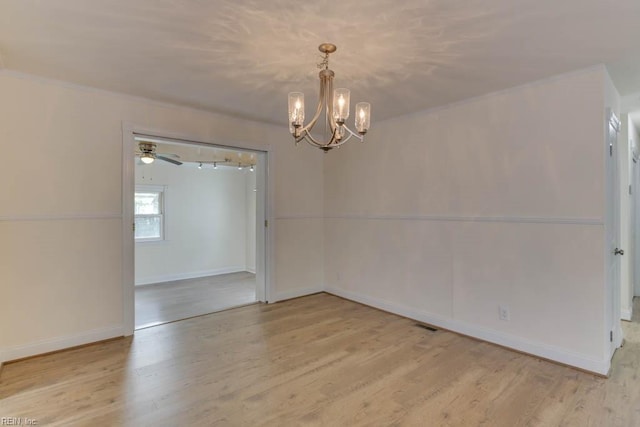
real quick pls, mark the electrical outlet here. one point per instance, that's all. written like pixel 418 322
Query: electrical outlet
pixel 503 312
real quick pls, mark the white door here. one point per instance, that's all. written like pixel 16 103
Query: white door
pixel 612 230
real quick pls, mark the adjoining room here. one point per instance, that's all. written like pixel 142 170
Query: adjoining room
pixel 195 230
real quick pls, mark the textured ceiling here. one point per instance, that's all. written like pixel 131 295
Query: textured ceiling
pixel 242 57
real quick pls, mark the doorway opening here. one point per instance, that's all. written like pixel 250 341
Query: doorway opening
pixel 198 241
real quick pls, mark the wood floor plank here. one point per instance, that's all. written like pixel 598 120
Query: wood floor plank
pixel 317 361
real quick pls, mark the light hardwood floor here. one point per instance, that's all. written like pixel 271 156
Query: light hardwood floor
pixel 318 360
pixel 170 301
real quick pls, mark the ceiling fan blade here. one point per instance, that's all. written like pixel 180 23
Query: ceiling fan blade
pixel 166 159
pixel 175 156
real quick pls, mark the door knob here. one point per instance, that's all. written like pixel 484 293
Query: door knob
pixel 618 252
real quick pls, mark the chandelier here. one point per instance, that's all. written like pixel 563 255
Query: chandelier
pixel 334 105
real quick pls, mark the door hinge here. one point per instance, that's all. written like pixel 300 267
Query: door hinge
pixel 611 150
pixel 266 223
pixel 611 336
pixel 133 226
pixel 630 192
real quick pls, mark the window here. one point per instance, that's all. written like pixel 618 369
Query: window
pixel 149 213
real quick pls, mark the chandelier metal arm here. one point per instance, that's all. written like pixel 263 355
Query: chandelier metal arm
pixel 328 102
pixel 316 116
pixel 324 100
pixel 351 134
pixel 324 103
pixel 311 140
pixel 333 142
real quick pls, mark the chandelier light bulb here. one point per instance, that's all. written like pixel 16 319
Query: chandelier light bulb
pixel 200 166
pixel 239 167
pixel 363 117
pixel 296 110
pixel 251 168
pixel 215 165
pixel 341 99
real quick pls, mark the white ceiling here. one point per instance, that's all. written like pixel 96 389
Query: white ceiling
pixel 242 57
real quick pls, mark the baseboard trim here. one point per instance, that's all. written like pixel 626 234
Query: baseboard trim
pixel 544 351
pixel 250 270
pixel 295 293
pixel 59 343
pixel 625 314
pixel 190 275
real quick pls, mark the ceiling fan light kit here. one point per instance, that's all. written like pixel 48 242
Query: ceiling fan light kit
pixel 148 154
pixel 147 158
pixel 335 106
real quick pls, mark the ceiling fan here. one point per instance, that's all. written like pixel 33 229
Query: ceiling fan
pixel 148 154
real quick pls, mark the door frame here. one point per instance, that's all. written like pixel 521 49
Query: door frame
pixel 265 263
pixel 635 220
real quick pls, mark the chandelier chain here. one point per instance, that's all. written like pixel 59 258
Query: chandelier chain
pixel 325 62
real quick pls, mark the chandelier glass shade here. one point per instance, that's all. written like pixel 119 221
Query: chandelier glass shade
pixel 333 108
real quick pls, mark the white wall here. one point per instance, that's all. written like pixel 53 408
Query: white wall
pixel 205 223
pixel 446 214
pixel 61 207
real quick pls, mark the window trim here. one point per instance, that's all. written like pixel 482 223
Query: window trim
pixel 162 189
